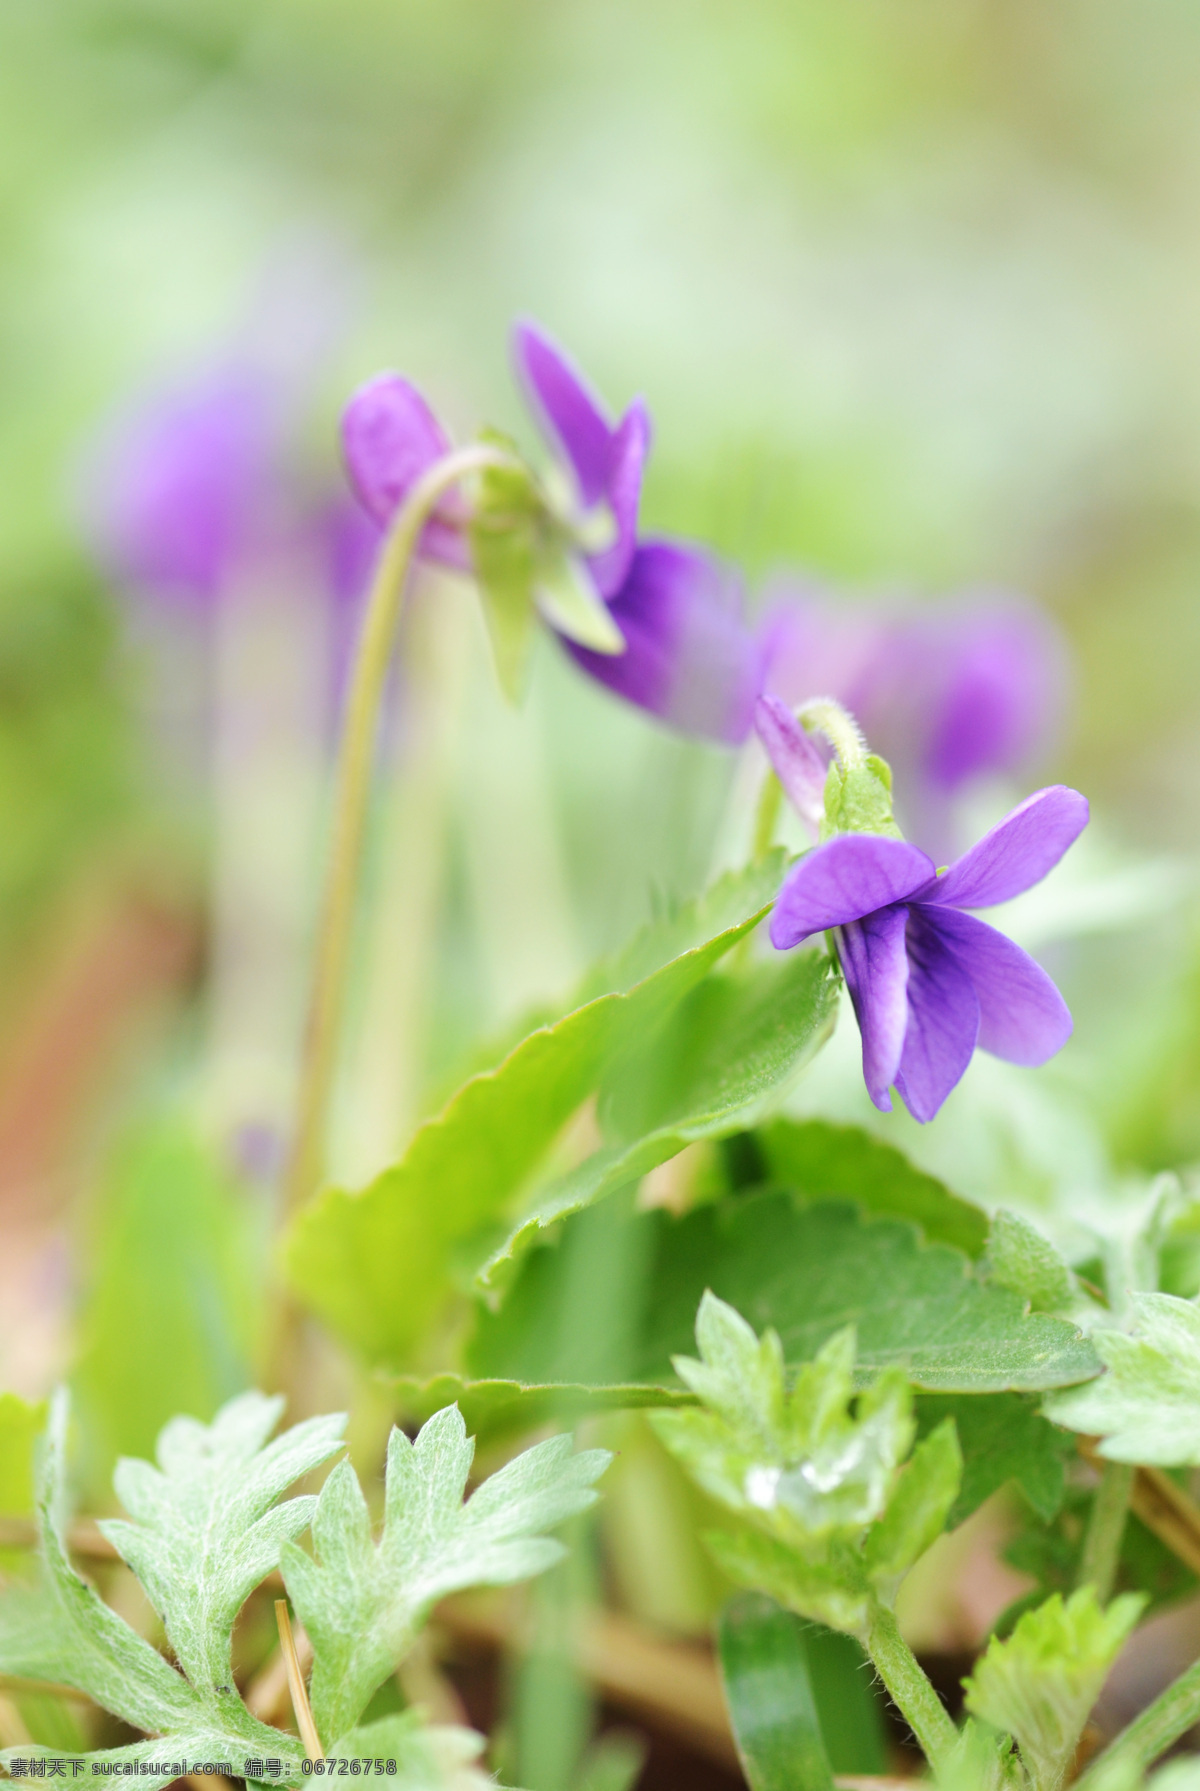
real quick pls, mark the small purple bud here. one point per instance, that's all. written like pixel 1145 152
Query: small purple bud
pixel 797 763
pixel 390 437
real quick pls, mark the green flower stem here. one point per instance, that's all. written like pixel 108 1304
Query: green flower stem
pixel 1149 1735
pixel 767 814
pixel 839 728
pixel 909 1687
pixel 1106 1527
pixel 355 762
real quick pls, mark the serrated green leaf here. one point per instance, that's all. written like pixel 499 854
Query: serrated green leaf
pixel 62 1631
pixel 378 1266
pixel 1020 1258
pixel 835 1594
pixel 20 1424
pixel 819 1161
pixel 917 1510
pixel 361 1604
pixel 427 1759
pixel 807 1271
pixel 1039 1685
pixel 180 1753
pixel 1146 1407
pixel 206 1528
pixel 728 1053
pixel 764 1669
pixel 1003 1438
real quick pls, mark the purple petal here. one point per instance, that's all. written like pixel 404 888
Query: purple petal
pixel 943 1019
pixel 875 962
pixel 389 438
pixel 1016 854
pixel 1022 1016
pixel 627 457
pixel 845 879
pixel 566 407
pixel 797 763
pixel 689 658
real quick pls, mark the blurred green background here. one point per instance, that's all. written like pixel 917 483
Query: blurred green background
pixel 910 291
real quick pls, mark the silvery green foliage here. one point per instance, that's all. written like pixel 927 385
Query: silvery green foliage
pixel 427 1759
pixel 1040 1683
pixel 1146 1407
pixel 362 1603
pixel 66 1633
pixel 207 1528
pixel 831 1522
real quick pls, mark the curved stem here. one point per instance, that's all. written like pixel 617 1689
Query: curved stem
pixel 839 728
pixel 909 1687
pixel 355 761
pixel 1106 1527
pixel 1149 1735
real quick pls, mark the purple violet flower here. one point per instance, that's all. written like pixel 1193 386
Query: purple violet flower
pixel 928 981
pixel 689 657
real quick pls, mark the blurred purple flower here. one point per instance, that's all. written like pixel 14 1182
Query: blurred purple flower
pixel 945 694
pixel 689 657
pixel 930 983
pixel 179 486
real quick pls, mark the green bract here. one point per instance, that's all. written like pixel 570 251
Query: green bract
pixel 1040 1684
pixel 829 1524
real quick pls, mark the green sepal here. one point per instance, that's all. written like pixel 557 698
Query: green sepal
pixel 503 533
pixel 858 799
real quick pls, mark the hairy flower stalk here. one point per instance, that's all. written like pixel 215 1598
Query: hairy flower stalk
pixel 352 789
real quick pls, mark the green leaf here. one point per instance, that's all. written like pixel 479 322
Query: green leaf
pixel 764 1668
pixel 62 1631
pixel 807 1271
pixel 379 1266
pixel 806 1473
pixel 819 1161
pixel 427 1759
pixel 167 1322
pixel 361 1604
pixel 1020 1258
pixel 1146 1407
pixel 498 1408
pixel 1040 1684
pixel 917 1510
pixel 1003 1438
pixel 727 1054
pixel 20 1424
pixel 206 1527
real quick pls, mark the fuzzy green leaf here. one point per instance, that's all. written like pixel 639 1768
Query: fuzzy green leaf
pixel 1146 1407
pixel 1040 1684
pixel 726 1055
pixel 1020 1258
pixel 62 1631
pixel 380 1265
pixel 806 1271
pixel 1003 1438
pixel 361 1603
pixel 427 1759
pixel 917 1510
pixel 819 1161
pixel 206 1527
